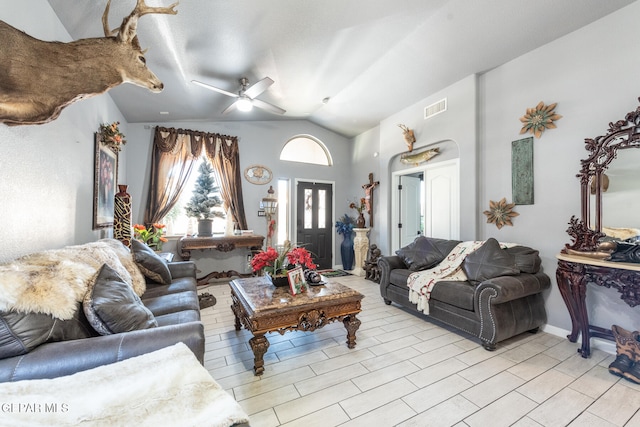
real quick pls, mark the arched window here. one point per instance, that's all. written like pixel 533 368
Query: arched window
pixel 306 149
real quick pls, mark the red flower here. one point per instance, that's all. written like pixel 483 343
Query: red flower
pixel 273 261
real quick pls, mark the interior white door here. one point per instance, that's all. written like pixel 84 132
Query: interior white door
pixel 410 209
pixel 442 196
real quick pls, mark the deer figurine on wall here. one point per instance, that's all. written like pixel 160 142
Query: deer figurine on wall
pixel 409 137
pixel 38 79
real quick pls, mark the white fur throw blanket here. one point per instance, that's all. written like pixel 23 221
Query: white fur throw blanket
pixel 55 281
pixel 167 387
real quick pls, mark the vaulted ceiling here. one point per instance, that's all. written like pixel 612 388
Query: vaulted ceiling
pixel 367 59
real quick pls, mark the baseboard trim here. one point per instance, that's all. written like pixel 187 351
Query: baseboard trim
pixel 603 345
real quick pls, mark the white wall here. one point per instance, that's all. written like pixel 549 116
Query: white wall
pixel 46 185
pixel 457 125
pixel 593 76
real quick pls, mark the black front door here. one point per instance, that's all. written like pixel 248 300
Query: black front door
pixel 315 221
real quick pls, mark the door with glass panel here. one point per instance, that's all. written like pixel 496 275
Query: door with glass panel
pixel 314 226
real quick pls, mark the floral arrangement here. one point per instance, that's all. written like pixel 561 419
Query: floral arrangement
pixel 275 262
pixel 345 225
pixel 152 237
pixel 359 206
pixel 111 135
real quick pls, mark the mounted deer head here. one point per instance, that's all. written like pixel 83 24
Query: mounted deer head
pixel 38 79
pixel 409 137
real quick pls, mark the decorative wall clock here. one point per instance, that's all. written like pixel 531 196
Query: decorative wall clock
pixel 258 174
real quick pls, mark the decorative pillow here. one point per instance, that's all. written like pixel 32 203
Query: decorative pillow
pixel 112 307
pixel 151 265
pixel 22 332
pixel 489 261
pixel 527 259
pixel 126 258
pixel 421 254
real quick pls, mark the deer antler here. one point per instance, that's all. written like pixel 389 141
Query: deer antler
pixel 127 30
pixel 105 21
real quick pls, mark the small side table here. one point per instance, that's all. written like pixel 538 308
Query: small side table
pixel 360 247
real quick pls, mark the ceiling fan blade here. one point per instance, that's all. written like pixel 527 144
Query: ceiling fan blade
pixel 230 108
pixel 258 87
pixel 269 107
pixel 222 91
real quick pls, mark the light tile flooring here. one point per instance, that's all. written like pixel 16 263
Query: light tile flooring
pixel 406 371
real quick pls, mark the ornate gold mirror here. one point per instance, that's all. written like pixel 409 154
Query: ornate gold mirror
pixel 622 135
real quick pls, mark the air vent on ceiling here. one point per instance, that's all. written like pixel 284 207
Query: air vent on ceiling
pixel 435 108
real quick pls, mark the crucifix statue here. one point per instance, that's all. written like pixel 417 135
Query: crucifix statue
pixel 368 198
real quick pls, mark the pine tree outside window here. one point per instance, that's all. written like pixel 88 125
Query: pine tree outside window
pixel 193 203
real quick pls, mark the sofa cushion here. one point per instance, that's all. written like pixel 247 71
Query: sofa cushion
pixel 489 261
pixel 456 293
pixel 112 306
pixel 425 252
pixel 172 303
pixel 527 259
pixel 178 317
pixel 22 332
pixel 180 284
pixel 151 265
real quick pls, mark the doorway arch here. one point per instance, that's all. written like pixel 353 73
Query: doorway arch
pixel 425 198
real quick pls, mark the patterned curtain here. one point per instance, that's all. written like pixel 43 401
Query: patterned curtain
pixel 224 155
pixel 175 153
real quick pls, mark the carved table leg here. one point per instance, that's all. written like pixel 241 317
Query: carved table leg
pixel 572 283
pixel 237 311
pixel 579 291
pixel 351 323
pixel 259 344
pixel 237 321
pixel 565 276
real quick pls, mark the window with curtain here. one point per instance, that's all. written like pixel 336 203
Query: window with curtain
pixel 174 162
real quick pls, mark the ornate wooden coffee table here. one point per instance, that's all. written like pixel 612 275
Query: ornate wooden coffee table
pixel 261 307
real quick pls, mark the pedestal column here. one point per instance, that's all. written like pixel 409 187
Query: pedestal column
pixel 360 247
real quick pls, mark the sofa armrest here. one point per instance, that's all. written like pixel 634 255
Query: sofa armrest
pixel 182 269
pixel 68 357
pixel 386 264
pixel 509 288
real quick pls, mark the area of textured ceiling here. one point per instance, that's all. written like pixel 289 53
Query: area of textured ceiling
pixel 372 58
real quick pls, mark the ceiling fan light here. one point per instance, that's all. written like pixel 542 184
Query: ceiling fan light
pixel 245 104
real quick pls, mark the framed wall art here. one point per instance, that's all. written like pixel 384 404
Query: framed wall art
pixel 104 186
pixel 522 171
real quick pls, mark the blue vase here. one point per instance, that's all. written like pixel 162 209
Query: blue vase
pixel 346 251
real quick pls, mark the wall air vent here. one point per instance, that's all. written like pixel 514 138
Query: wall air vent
pixel 435 108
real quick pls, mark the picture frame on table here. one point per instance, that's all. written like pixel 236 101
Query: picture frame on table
pixel 297 284
pixel 104 185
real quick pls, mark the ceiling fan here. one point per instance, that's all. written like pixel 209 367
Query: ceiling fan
pixel 246 96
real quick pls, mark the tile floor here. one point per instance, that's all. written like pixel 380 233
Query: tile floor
pixel 406 371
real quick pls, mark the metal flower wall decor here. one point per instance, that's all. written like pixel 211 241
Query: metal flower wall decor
pixel 539 118
pixel 500 213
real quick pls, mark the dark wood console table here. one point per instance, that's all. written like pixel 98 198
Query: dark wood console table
pixel 220 243
pixel 574 273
